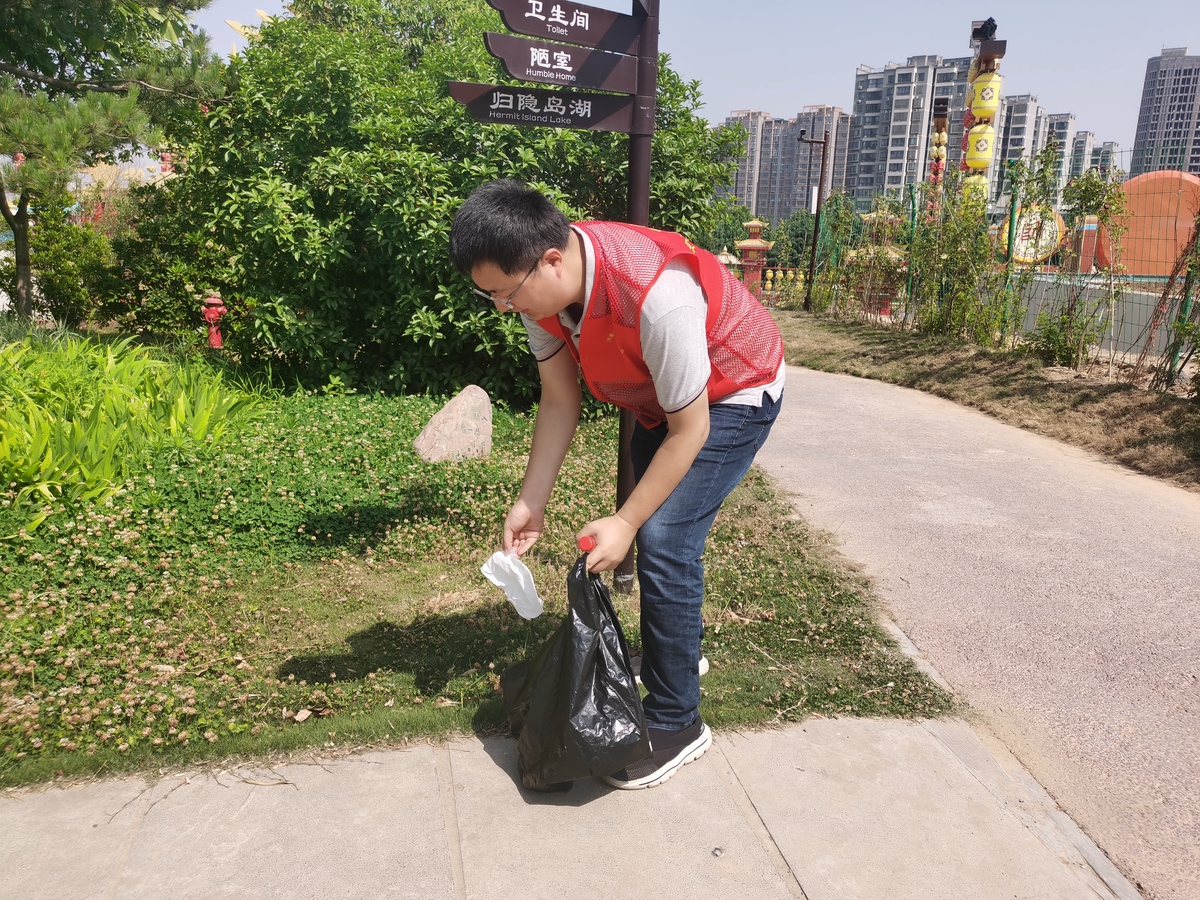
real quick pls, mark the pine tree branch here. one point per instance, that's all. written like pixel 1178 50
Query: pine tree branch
pixel 9 216
pixel 101 87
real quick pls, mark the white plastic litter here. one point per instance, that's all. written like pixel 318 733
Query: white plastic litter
pixel 508 572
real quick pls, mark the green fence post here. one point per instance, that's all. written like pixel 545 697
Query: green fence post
pixel 912 236
pixel 1185 312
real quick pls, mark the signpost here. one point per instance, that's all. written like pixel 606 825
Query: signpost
pixel 557 64
pixel 574 23
pixel 579 46
pixel 539 107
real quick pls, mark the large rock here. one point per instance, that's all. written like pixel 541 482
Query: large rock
pixel 462 429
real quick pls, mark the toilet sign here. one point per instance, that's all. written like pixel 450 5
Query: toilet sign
pixel 573 23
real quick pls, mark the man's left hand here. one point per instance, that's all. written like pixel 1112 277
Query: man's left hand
pixel 613 535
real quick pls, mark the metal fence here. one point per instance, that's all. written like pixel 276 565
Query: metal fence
pixel 1124 274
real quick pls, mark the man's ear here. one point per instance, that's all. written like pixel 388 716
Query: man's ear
pixel 554 257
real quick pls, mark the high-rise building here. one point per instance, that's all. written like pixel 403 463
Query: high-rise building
pixel 1020 134
pixel 1059 129
pixel 778 173
pixel 745 182
pixel 1081 153
pixel 892 122
pixel 1168 128
pixel 1106 157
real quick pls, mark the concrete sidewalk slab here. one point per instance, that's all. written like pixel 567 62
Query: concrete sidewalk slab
pixel 67 842
pixel 686 838
pixel 888 810
pixel 826 809
pixel 366 826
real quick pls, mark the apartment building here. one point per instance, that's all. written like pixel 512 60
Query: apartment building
pixel 1106 157
pixel 892 122
pixel 778 173
pixel 1080 161
pixel 1060 128
pixel 1168 128
pixel 745 182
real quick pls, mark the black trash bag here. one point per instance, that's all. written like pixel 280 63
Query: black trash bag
pixel 574 706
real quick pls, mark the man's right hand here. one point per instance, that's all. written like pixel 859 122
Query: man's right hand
pixel 522 527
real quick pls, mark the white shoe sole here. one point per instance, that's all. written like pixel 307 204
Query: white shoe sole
pixel 690 753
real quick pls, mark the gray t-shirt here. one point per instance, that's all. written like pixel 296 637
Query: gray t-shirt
pixel 673 335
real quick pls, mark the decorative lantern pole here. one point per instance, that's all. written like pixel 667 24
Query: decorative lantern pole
pixel 754 255
pixel 986 84
pixel 937 153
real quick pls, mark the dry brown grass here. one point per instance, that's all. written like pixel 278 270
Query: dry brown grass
pixel 1154 434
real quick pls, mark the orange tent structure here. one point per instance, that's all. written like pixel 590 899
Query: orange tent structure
pixel 1160 215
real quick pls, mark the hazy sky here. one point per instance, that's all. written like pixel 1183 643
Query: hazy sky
pixel 782 55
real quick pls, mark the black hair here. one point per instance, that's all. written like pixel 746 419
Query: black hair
pixel 508 224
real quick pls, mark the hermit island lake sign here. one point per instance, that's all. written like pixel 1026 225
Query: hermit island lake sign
pixel 506 105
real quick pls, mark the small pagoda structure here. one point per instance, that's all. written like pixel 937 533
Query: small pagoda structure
pixel 754 255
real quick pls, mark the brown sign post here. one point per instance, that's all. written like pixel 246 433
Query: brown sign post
pixel 622 59
pixel 538 107
pixel 573 23
pixel 576 67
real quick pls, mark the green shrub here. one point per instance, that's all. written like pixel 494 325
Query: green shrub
pixel 76 415
pixel 74 280
pixel 318 200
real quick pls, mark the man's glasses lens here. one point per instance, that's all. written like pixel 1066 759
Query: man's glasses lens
pixel 506 301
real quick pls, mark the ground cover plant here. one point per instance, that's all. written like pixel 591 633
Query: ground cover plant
pixel 1154 433
pixel 308 580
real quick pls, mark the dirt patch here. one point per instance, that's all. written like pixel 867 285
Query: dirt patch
pixel 1156 434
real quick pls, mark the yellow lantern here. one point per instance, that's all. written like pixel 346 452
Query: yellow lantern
pixel 791 275
pixel 975 183
pixel 981 140
pixel 973 70
pixel 943 138
pixel 986 99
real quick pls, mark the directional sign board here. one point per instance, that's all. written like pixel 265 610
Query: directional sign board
pixel 507 105
pixel 572 23
pixel 562 64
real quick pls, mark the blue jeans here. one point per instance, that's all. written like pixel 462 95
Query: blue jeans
pixel 669 549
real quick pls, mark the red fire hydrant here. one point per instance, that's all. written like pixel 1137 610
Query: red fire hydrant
pixel 214 308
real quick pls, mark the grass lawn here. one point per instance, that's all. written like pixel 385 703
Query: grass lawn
pixel 307 581
pixel 1153 433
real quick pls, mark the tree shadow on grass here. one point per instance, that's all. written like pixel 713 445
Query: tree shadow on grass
pixel 435 650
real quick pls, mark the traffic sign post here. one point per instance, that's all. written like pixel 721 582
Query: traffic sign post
pixel 579 46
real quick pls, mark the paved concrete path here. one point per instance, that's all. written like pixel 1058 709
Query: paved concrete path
pixel 1059 595
pixel 828 810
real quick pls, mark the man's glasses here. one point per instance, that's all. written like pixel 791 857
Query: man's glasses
pixel 487 295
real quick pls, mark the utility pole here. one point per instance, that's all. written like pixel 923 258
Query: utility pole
pixel 812 260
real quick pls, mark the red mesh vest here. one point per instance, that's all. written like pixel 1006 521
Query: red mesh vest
pixel 744 346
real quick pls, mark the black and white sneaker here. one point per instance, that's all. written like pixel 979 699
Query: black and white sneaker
pixel 670 751
pixel 636 665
